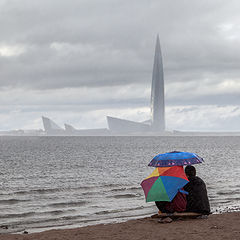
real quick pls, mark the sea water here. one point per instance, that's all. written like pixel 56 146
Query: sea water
pixel 66 182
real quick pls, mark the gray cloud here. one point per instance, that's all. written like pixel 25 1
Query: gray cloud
pixel 48 48
pixel 112 42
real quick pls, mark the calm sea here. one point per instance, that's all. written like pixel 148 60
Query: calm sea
pixel 61 182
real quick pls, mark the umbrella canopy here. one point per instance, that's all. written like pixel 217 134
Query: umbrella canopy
pixel 164 183
pixel 175 159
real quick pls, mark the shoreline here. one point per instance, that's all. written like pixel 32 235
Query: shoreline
pixel 217 226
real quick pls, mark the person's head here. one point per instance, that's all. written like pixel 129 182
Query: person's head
pixel 190 171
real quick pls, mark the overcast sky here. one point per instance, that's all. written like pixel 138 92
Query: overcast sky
pixel 77 61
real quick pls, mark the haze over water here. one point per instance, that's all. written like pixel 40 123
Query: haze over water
pixel 51 182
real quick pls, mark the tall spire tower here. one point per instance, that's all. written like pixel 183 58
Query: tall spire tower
pixel 157 94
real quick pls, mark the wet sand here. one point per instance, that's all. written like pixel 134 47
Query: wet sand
pixel 217 226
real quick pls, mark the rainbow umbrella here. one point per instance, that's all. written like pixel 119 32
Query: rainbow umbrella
pixel 175 159
pixel 164 183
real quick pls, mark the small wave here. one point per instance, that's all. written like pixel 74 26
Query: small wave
pixel 89 193
pixel 68 204
pixel 57 212
pixel 212 196
pixel 38 191
pixel 71 217
pixel 118 189
pixel 126 216
pixel 234 186
pixel 224 201
pixel 211 187
pixel 11 201
pixel 118 210
pixel 125 189
pixel 134 188
pixel 232 192
pixel 44 221
pixel 4 194
pixel 233 199
pixel 105 212
pixel 112 185
pixel 84 188
pixel 47 190
pixel 18 215
pixel 127 195
pixel 29 214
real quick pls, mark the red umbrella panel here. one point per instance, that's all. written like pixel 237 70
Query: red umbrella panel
pixel 164 183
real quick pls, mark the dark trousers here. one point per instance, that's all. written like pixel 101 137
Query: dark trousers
pixel 161 206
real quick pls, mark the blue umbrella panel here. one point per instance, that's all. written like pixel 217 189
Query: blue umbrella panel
pixel 175 159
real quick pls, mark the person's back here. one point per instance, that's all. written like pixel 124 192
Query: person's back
pixel 197 199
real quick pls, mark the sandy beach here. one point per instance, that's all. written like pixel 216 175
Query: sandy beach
pixel 217 226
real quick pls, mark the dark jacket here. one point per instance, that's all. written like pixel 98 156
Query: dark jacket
pixel 197 199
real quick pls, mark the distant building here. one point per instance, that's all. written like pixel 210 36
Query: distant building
pixel 117 125
pixel 121 126
pixel 157 122
pixel 69 128
pixel 51 127
pixel 157 93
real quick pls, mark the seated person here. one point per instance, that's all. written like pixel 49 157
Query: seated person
pixel 178 204
pixel 197 199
